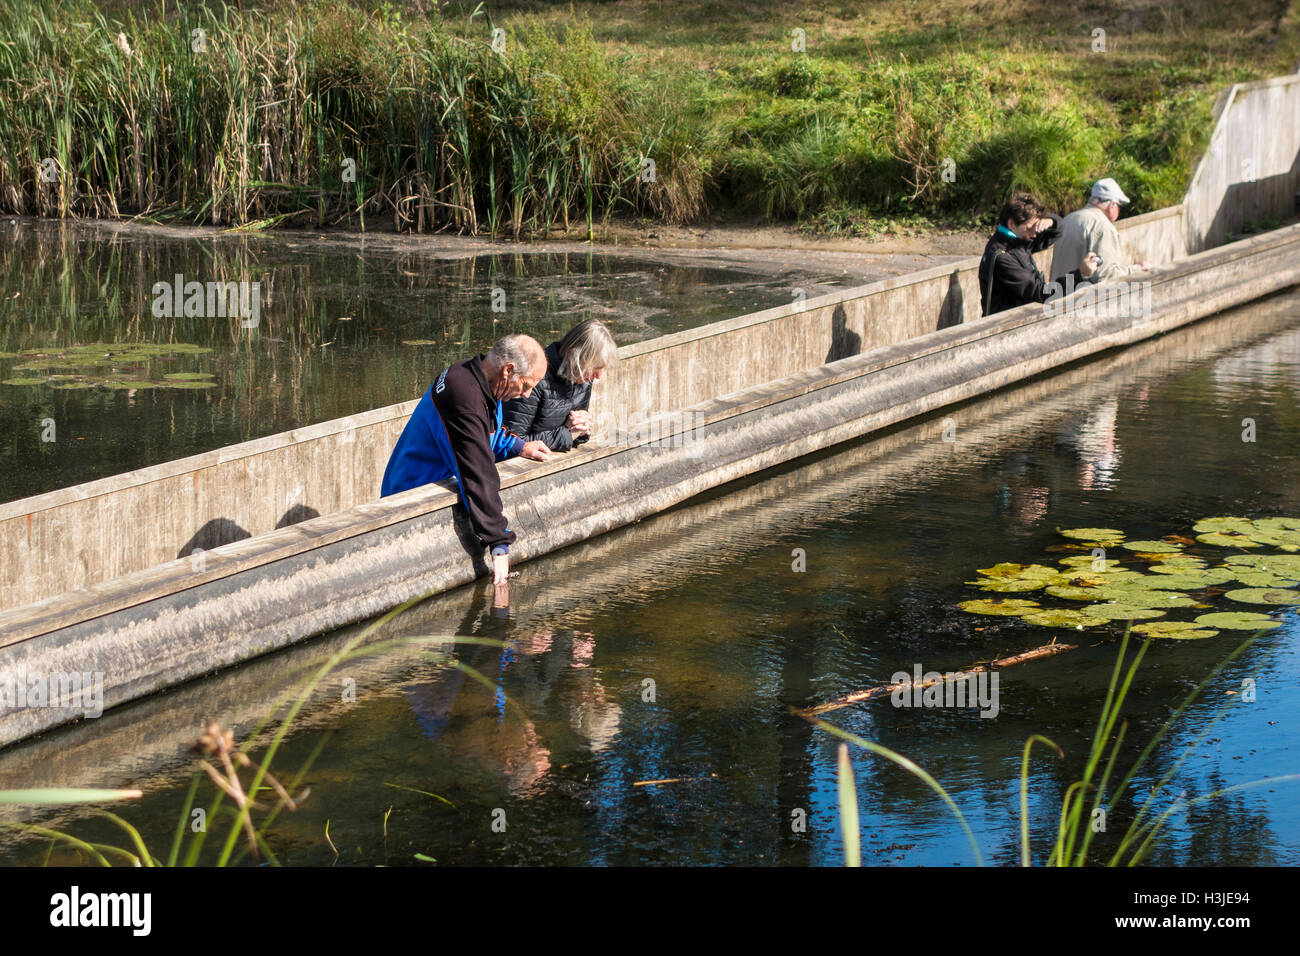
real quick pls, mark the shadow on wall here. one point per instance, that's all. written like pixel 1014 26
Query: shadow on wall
pixel 221 531
pixel 950 313
pixel 844 341
pixel 1273 197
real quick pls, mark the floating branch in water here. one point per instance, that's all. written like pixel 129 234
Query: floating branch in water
pixel 885 690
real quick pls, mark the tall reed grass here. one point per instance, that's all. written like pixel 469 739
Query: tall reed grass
pixel 319 114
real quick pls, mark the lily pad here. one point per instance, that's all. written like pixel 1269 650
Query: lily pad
pixel 1088 562
pixel 1278 596
pixel 1008 569
pixel 1277 524
pixel 419 342
pixel 1232 525
pixel 1072 592
pixel 1190 580
pixel 1139 597
pixel 23 381
pixel 1060 617
pixel 1007 608
pixel 1238 621
pixel 1226 540
pixel 1153 547
pixel 1177 564
pixel 189 384
pixel 1178 630
pixel 1008 585
pixel 124 384
pixel 1286 564
pixel 1094 534
pixel 1265 579
pixel 1121 612
pixel 187 376
pixel 1288 540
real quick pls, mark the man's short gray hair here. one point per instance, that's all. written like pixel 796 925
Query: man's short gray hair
pixel 514 350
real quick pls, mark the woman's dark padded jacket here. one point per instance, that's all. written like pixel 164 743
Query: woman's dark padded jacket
pixel 541 416
pixel 1008 275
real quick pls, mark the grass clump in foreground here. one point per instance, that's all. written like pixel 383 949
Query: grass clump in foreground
pixel 667 110
pixel 1083 798
pixel 223 762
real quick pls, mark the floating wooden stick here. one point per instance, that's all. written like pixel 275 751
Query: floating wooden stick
pixel 885 690
pixel 655 783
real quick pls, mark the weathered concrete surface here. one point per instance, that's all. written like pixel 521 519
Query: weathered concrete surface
pixel 157 628
pixel 144 744
pixel 1251 169
pixel 88 534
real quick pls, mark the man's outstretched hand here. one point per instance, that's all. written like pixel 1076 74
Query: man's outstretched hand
pixel 536 450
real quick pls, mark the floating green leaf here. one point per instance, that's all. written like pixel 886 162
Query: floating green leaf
pixel 1230 525
pixel 1138 597
pixel 1264 596
pixel 1265 579
pixel 1121 612
pixel 189 384
pixel 1096 565
pixel 128 384
pixel 1226 540
pixel 1061 617
pixel 1238 621
pixel 1190 580
pixel 1094 534
pixel 1178 630
pixel 187 376
pixel 1007 608
pixel 1177 564
pixel 1153 547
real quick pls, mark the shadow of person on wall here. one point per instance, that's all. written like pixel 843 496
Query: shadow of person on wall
pixel 950 313
pixel 844 341
pixel 295 514
pixel 214 534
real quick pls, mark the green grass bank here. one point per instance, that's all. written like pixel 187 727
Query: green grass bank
pixel 536 119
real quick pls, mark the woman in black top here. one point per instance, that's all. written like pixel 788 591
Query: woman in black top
pixel 555 412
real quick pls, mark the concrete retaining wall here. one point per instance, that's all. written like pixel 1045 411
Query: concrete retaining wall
pixel 149 739
pixel 162 626
pixel 86 537
pixel 88 534
pixel 1251 169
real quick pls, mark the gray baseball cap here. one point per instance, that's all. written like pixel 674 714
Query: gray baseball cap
pixel 1107 190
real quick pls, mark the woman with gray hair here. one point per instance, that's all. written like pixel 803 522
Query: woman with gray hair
pixel 555 412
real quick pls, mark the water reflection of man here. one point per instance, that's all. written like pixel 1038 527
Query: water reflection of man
pixel 1099 453
pixel 500 738
pixel 540 672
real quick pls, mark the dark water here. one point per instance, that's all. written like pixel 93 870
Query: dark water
pixel 336 331
pixel 704 602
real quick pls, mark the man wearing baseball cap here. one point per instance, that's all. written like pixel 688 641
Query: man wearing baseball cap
pixel 1092 229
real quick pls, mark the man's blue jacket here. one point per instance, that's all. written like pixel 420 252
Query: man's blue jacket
pixel 456 432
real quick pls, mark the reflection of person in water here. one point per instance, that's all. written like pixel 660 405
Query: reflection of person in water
pixel 1099 453
pixel 493 727
pixel 1025 501
pixel 487 732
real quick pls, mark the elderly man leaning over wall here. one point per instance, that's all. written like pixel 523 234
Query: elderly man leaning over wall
pixel 1092 229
